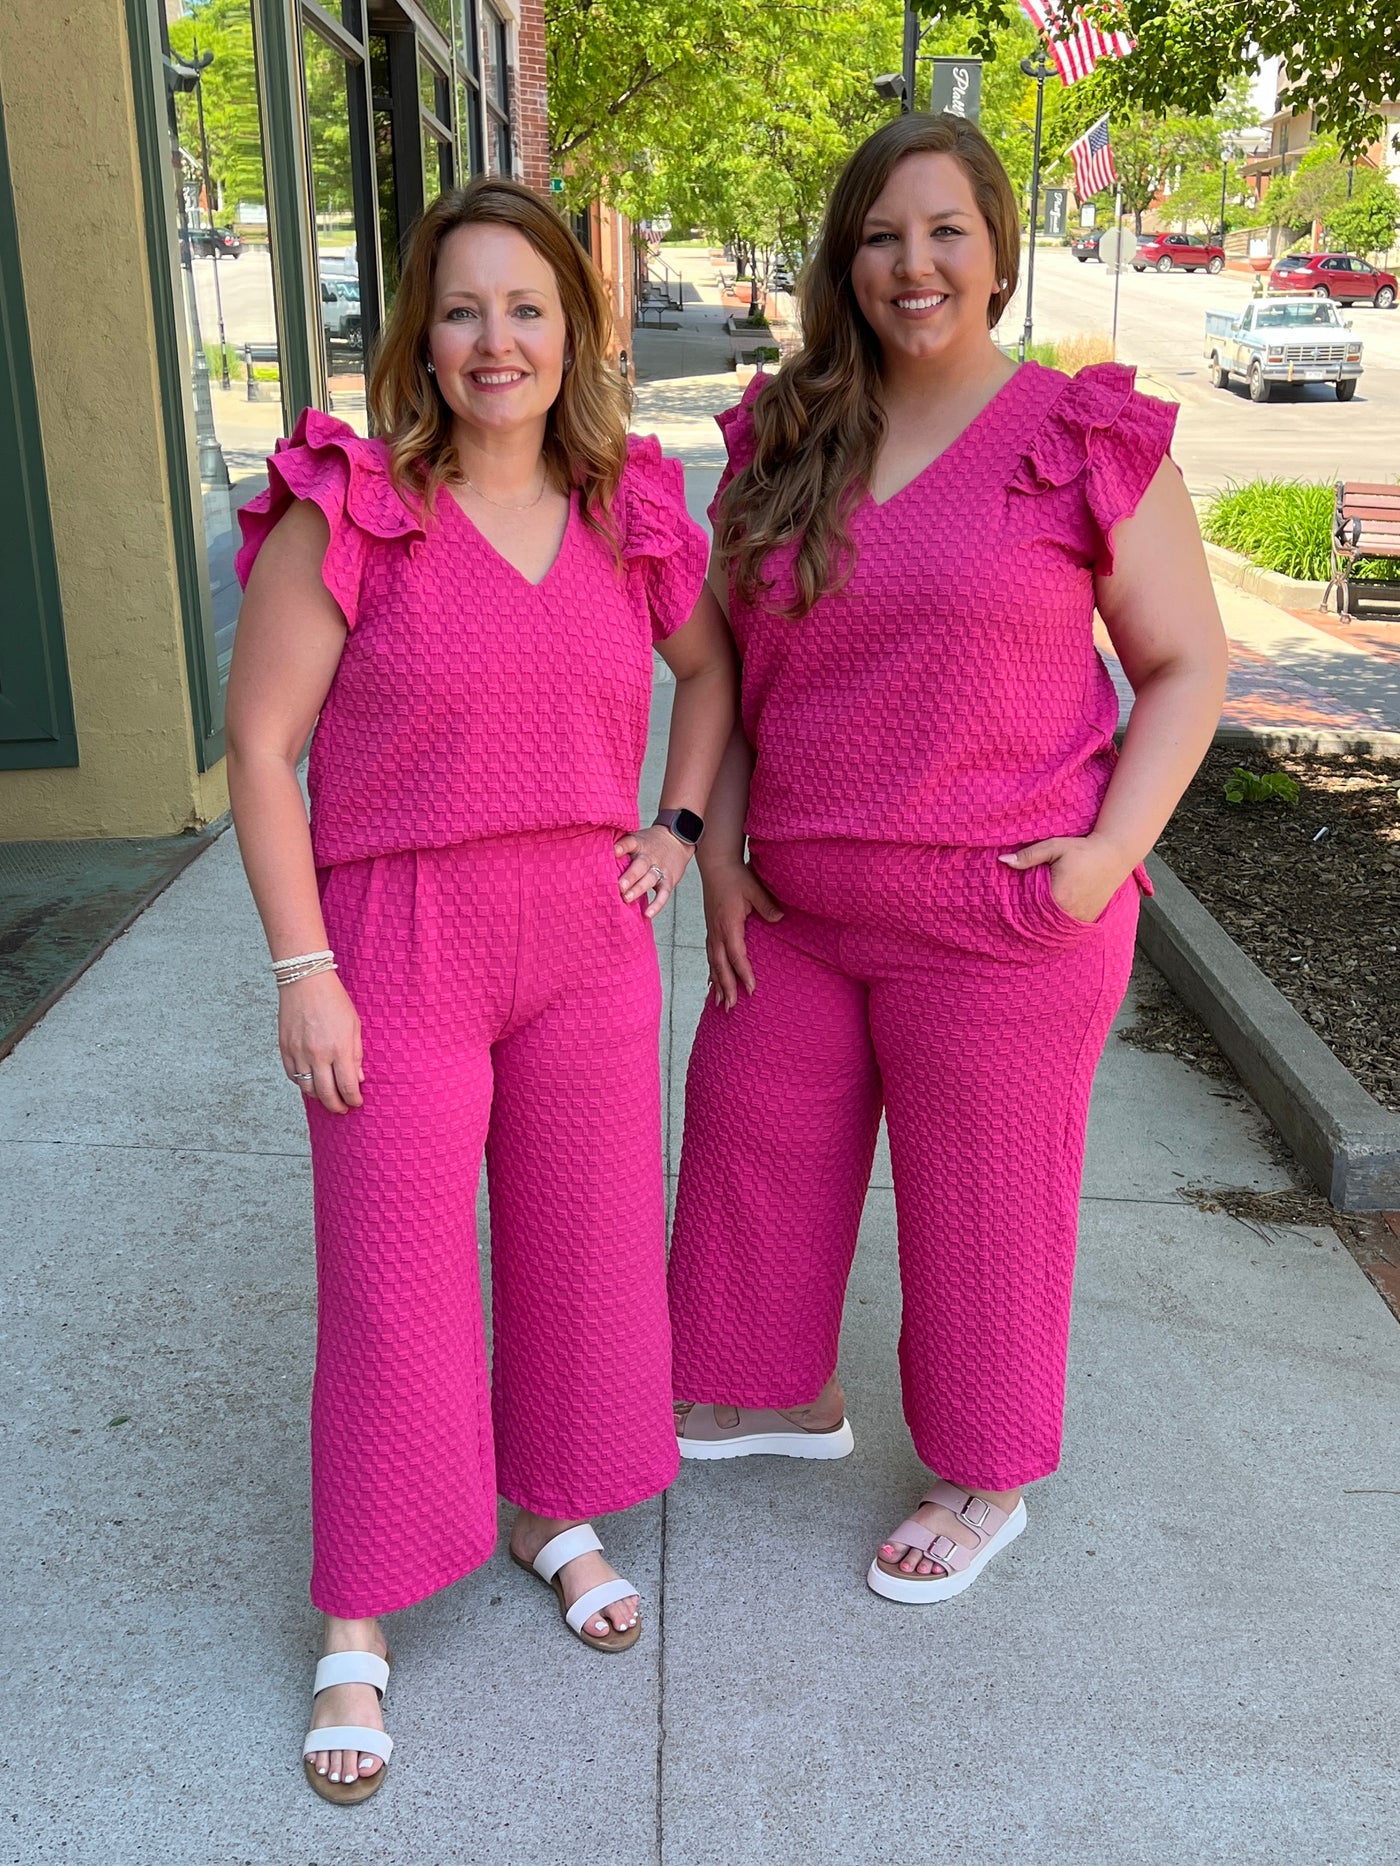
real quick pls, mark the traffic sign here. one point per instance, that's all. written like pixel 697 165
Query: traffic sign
pixel 1118 247
pixel 556 184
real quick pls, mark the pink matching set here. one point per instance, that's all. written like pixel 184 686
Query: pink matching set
pixel 477 755
pixel 945 706
pixel 478 751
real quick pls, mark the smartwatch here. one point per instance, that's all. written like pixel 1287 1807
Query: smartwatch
pixel 684 825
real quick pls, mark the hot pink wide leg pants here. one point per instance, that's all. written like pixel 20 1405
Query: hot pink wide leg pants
pixel 510 1002
pixel 953 992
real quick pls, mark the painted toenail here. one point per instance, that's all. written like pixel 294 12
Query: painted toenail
pixel 335 1775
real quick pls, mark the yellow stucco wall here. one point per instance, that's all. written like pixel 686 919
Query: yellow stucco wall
pixel 65 78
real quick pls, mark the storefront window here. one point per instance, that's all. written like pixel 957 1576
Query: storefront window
pixel 498 86
pixel 224 286
pixel 467 29
pixel 328 78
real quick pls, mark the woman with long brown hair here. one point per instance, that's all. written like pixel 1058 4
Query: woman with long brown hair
pixel 937 915
pixel 465 611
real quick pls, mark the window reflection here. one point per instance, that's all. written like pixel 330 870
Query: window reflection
pixel 225 272
pixel 333 210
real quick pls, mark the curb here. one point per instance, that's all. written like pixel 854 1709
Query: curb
pixel 1283 592
pixel 1341 740
pixel 1347 1143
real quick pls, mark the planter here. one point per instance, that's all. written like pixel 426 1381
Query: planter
pixel 1285 592
pixel 1348 1144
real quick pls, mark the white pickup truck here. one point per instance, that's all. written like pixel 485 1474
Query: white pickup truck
pixel 1283 340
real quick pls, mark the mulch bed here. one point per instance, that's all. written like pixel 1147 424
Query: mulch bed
pixel 1311 892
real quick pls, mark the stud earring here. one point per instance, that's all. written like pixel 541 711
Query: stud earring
pixel 431 370
pixel 1001 287
pixel 568 362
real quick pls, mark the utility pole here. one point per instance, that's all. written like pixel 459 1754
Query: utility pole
pixel 1040 68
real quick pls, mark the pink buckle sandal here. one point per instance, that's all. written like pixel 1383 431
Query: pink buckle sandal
pixel 994 1528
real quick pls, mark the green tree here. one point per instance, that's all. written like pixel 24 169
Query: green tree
pixel 230 86
pixel 1370 221
pixel 1342 56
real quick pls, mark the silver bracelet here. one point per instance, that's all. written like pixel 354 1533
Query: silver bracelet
pixel 302 958
pixel 327 964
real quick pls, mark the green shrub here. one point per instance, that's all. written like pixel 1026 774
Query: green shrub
pixel 1283 525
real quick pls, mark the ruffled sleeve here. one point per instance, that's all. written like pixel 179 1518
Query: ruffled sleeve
pixel 736 425
pixel 326 462
pixel 662 546
pixel 1101 434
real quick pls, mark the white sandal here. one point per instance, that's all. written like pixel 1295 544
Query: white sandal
pixel 567 1547
pixel 995 1529
pixel 348 1668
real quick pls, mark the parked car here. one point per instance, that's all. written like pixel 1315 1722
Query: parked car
pixel 1085 246
pixel 1274 341
pixel 210 240
pixel 1334 275
pixel 1178 252
pixel 340 310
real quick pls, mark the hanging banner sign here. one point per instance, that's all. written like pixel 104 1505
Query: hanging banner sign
pixel 957 87
pixel 1056 212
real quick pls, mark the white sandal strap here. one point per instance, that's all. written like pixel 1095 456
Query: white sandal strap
pixel 351 1668
pixel 564 1548
pixel 603 1595
pixel 349 1736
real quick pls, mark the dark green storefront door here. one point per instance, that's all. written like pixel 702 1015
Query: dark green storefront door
pixel 36 706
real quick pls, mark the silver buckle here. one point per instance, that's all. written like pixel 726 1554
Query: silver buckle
pixel 978 1523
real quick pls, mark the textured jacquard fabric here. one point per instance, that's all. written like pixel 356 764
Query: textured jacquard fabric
pixel 951 692
pixel 469 702
pixel 509 999
pixel 954 993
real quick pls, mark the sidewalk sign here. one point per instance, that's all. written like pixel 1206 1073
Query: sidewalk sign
pixel 957 87
pixel 1056 212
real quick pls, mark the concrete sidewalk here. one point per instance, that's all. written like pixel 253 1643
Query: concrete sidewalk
pixel 1191 1655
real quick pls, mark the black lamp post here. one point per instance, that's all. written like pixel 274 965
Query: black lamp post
pixel 1040 68
pixel 202 62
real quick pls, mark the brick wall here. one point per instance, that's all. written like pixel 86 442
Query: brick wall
pixel 531 95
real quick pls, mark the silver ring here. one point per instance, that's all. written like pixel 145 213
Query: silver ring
pixel 302 1075
pixel 660 873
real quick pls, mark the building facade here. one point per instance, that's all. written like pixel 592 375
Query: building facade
pixel 200 235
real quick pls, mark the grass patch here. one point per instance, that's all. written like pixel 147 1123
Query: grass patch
pixel 1283 525
pixel 1071 354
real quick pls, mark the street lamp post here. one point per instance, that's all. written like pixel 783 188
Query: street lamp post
pixel 912 36
pixel 202 62
pixel 1039 68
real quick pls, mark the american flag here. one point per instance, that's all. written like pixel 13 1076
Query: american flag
pixel 1093 161
pixel 1075 45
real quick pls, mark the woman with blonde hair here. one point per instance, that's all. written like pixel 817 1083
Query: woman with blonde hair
pixel 465 611
pixel 937 915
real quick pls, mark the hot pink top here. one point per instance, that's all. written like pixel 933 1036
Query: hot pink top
pixel 469 702
pixel 951 691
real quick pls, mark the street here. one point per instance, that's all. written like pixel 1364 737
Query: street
pixel 1221 435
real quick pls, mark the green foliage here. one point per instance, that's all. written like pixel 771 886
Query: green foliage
pixel 1343 56
pixel 230 87
pixel 1370 221
pixel 1283 525
pixel 1244 786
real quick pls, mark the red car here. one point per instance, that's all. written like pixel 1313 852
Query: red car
pixel 1175 252
pixel 1334 275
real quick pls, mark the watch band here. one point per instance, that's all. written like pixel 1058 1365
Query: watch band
pixel 684 825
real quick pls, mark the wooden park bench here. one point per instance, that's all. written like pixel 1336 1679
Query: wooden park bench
pixel 1365 523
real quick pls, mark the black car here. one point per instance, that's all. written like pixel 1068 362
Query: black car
pixel 1085 247
pixel 210 240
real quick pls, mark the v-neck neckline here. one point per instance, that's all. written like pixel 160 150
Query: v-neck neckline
pixel 500 556
pixel 881 505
